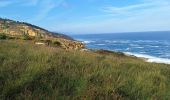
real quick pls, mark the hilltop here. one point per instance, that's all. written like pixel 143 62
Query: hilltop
pixel 17 28
pixel 21 30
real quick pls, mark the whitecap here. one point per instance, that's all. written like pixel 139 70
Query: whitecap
pixel 150 58
pixel 155 46
pixel 110 41
pixel 124 41
pixel 117 41
pixel 139 47
pixel 143 52
pixel 87 42
pixel 127 49
pixel 147 41
pixel 134 45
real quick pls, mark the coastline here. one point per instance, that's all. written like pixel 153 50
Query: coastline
pixel 149 58
pixel 144 57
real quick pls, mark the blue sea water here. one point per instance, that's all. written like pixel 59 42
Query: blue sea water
pixel 152 45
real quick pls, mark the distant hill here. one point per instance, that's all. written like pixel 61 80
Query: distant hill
pixel 19 29
pixel 14 28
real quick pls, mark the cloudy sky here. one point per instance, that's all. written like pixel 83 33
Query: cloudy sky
pixel 90 16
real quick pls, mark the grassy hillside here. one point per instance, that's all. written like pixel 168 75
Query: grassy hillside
pixel 28 71
pixel 10 29
pixel 16 28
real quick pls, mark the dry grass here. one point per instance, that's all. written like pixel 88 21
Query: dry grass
pixel 34 72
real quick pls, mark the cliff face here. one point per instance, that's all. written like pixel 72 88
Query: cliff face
pixel 17 29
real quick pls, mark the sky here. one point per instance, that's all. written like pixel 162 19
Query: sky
pixel 90 16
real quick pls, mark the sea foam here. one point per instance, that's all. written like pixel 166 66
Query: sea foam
pixel 150 58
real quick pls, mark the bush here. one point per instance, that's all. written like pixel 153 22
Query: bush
pixel 48 42
pixel 4 26
pixel 3 36
pixel 38 37
pixel 56 43
pixel 26 37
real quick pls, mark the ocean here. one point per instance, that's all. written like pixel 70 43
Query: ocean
pixel 155 46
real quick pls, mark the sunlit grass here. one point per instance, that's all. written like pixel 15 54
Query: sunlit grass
pixel 28 71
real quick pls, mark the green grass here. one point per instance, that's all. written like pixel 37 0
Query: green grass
pixel 29 71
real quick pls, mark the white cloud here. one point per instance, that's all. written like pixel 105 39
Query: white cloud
pixel 147 16
pixel 130 9
pixel 45 6
pixel 126 9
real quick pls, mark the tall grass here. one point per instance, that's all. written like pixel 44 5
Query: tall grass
pixel 29 71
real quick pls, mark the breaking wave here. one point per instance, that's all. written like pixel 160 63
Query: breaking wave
pixel 150 58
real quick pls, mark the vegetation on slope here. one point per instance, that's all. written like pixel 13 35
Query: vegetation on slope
pixel 28 71
pixel 3 36
pixel 10 29
pixel 17 28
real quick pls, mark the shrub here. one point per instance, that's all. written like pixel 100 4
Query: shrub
pixel 56 43
pixel 3 36
pixel 38 37
pixel 48 42
pixel 25 37
pixel 4 26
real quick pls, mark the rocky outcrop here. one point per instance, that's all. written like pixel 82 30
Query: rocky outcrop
pixel 11 27
pixel 71 45
pixel 18 29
